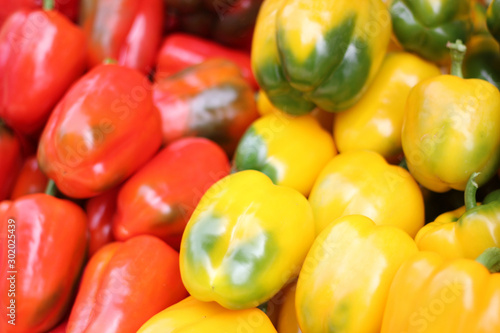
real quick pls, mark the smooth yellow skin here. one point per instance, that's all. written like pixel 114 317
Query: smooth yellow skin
pixel 297 148
pixel 430 294
pixel 375 122
pixel 451 130
pixel 287 318
pixel 245 214
pixel 193 316
pixel 362 182
pixel 345 279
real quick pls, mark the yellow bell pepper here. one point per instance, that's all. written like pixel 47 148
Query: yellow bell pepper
pixel 281 310
pixel 431 294
pixel 362 182
pixel 375 122
pixel 465 232
pixel 193 316
pixel 246 239
pixel 345 279
pixel 291 151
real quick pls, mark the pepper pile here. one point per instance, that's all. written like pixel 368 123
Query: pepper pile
pixel 161 170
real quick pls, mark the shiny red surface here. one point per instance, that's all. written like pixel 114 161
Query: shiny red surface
pixel 30 179
pixel 100 211
pixel 11 161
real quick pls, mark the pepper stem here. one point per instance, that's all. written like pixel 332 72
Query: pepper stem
pixel 490 259
pixel 470 192
pixel 108 61
pixel 51 188
pixel 457 51
pixel 48 4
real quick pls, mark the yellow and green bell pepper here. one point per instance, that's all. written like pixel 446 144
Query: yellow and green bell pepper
pixel 291 151
pixel 493 19
pixel 362 182
pixel 190 316
pixel 318 53
pixel 375 121
pixel 425 26
pixel 345 279
pixel 246 239
pixel 431 294
pixel 451 129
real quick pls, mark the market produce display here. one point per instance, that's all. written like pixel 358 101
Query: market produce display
pixel 250 166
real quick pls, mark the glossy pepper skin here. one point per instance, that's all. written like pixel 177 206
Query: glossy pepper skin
pixel 287 321
pixel 128 31
pixel 12 160
pixel 345 279
pixel 308 149
pixel 362 182
pixel 30 179
pixel 50 239
pixel 103 130
pixel 69 8
pixel 100 211
pixel 425 26
pixel 191 315
pixel 465 232
pixel 180 51
pixel 210 100
pixel 451 130
pixel 375 121
pixel 241 247
pixel 124 284
pixel 442 295
pixel 493 19
pixel 40 57
pixel 318 53
pixel 160 198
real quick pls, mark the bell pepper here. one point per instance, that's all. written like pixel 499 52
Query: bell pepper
pixel 345 279
pixel 180 51
pixel 308 149
pixel 160 198
pixel 451 129
pixel 241 247
pixel 30 179
pixel 493 19
pixel 465 232
pixel 425 26
pixel 210 100
pixel 286 315
pixel 67 7
pixel 41 56
pixel 191 315
pixel 12 160
pixel 362 182
pixel 318 53
pixel 101 132
pixel 42 248
pixel 124 284
pixel 100 212
pixel 375 122
pixel 126 30
pixel 433 294
pixel 61 328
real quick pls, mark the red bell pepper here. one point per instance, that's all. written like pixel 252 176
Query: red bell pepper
pixel 42 249
pixel 126 30
pixel 12 160
pixel 61 328
pixel 40 57
pixel 160 198
pixel 125 284
pixel 180 51
pixel 67 7
pixel 210 100
pixel 30 179
pixel 104 129
pixel 100 211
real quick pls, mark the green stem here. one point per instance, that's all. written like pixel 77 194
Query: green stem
pixel 457 51
pixel 470 192
pixel 490 259
pixel 48 4
pixel 108 61
pixel 51 188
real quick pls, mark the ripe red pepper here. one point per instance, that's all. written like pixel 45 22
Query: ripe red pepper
pixel 67 7
pixel 61 328
pixel 125 284
pixel 126 30
pixel 100 211
pixel 40 57
pixel 30 179
pixel 49 236
pixel 160 198
pixel 11 154
pixel 104 129
pixel 180 51
pixel 210 100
